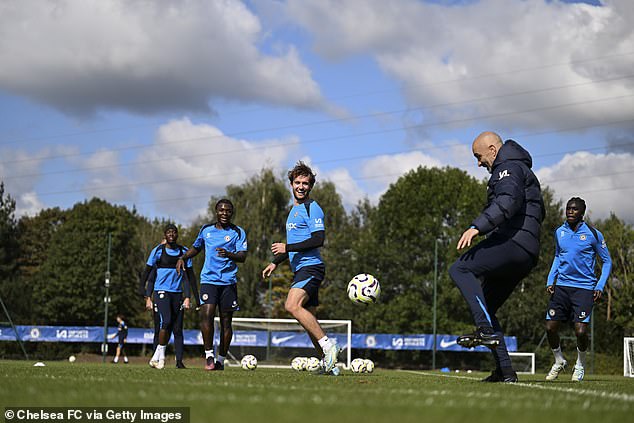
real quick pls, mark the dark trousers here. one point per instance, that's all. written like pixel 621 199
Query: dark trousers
pixel 486 275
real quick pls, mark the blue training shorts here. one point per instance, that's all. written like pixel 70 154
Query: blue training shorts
pixel 569 304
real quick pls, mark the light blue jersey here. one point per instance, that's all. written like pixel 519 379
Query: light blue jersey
pixel 220 270
pixel 302 221
pixel 166 277
pixel 575 257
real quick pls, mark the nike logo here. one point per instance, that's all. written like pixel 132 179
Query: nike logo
pixel 277 340
pixel 445 344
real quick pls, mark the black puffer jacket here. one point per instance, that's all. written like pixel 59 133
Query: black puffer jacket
pixel 515 207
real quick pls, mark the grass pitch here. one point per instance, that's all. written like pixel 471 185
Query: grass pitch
pixel 279 395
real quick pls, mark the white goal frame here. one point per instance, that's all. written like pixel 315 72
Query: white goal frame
pixel 628 356
pixel 348 323
pixel 525 354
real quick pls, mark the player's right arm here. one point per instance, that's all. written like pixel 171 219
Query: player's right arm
pixel 180 264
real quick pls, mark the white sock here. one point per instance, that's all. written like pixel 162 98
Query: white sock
pixel 559 356
pixel 325 343
pixel 581 358
pixel 221 359
pixel 160 352
pixel 209 353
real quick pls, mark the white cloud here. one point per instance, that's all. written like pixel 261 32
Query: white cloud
pixel 85 56
pixel 191 162
pixel 20 176
pixel 105 177
pixel 604 181
pixel 513 44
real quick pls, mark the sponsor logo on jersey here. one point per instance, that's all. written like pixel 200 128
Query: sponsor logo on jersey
pixel 504 174
pixel 291 226
pixel 208 235
pixel 562 234
pixel 603 244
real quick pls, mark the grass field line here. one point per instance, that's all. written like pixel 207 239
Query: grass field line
pixel 599 394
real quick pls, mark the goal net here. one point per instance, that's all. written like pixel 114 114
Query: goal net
pixel 628 357
pixel 275 342
pixel 523 362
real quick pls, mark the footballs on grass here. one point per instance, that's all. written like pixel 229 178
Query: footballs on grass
pixel 299 363
pixel 364 289
pixel 72 358
pixel 313 364
pixel 357 365
pixel 249 362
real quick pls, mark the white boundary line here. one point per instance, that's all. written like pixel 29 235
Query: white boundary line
pixel 598 394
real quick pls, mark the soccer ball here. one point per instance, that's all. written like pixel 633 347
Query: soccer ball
pixel 299 363
pixel 369 365
pixel 72 358
pixel 313 364
pixel 364 289
pixel 357 365
pixel 249 362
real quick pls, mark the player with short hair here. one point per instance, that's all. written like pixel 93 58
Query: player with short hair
pixel 305 234
pixel 488 273
pixel 225 244
pixel 122 334
pixel 168 290
pixel 573 285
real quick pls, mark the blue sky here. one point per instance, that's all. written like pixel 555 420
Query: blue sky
pixel 160 107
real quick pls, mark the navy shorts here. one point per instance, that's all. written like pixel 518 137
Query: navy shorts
pixel 122 337
pixel 170 308
pixel 224 296
pixel 309 279
pixel 570 304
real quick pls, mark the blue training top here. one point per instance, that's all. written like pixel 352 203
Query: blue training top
pixel 166 278
pixel 575 257
pixel 302 221
pixel 220 270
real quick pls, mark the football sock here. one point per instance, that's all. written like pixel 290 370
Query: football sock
pixel 581 358
pixel 221 359
pixel 160 352
pixel 116 360
pixel 325 343
pixel 125 359
pixel 209 353
pixel 559 356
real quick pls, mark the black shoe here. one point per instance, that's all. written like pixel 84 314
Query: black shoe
pixel 180 365
pixel 482 336
pixel 218 366
pixel 498 376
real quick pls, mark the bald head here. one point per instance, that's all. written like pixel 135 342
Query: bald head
pixel 485 149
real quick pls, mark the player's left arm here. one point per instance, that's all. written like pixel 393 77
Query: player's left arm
pixel 508 199
pixel 601 248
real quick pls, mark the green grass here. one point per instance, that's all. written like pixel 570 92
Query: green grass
pixel 281 395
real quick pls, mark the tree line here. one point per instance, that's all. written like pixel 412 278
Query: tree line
pixel 53 264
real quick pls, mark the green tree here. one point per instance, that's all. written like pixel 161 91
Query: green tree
pixel 70 284
pixel 9 253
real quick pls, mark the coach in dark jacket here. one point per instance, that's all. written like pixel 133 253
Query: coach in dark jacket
pixel 487 274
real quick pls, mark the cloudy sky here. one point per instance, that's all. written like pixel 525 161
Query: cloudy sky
pixel 160 105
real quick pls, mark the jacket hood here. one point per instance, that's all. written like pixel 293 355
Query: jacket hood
pixel 513 151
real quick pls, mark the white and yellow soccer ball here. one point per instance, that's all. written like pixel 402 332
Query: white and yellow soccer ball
pixel 299 363
pixel 313 364
pixel 369 365
pixel 364 289
pixel 249 362
pixel 357 365
pixel 72 358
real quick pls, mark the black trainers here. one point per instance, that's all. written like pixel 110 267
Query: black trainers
pixel 180 365
pixel 498 376
pixel 482 336
pixel 218 366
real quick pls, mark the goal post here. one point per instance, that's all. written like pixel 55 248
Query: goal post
pixel 276 341
pixel 628 356
pixel 526 365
